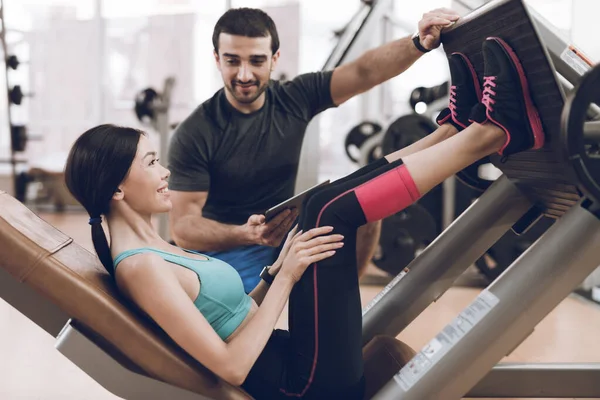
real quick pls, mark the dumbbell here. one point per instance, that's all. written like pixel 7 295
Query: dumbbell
pixel 143 104
pixel 12 61
pixel 15 95
pixel 19 137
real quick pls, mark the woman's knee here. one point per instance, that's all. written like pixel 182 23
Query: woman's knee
pixel 334 209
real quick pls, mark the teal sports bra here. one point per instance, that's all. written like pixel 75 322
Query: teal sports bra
pixel 222 299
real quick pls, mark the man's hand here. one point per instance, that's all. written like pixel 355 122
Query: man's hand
pixel 431 25
pixel 269 233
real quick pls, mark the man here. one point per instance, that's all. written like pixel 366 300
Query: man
pixel 237 154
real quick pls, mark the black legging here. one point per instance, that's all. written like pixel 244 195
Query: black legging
pixel 321 355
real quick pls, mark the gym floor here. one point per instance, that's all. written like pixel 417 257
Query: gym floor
pixel 30 367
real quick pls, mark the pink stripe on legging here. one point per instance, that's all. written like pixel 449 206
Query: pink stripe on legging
pixel 387 194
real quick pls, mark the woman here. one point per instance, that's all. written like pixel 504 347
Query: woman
pixel 200 302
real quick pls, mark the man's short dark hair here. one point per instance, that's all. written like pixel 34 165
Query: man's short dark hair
pixel 249 22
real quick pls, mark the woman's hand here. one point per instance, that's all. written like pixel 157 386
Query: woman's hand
pixel 303 249
pixel 284 250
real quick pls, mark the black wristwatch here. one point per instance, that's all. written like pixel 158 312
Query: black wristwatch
pixel 417 42
pixel 265 276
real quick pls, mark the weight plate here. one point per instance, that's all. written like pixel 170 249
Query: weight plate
pixel 18 137
pixel 470 176
pixel 405 131
pixel 428 95
pixel 356 138
pixel 403 236
pixel 583 157
pixel 12 61
pixel 15 95
pixel 370 151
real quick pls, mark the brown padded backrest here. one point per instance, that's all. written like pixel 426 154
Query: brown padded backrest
pixel 43 258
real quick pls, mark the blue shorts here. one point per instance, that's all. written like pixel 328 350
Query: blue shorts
pixel 248 261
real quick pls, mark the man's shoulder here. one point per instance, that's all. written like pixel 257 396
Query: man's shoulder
pixel 301 85
pixel 205 118
pixel 295 95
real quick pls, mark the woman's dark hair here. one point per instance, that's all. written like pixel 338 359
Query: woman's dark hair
pixel 249 22
pixel 98 162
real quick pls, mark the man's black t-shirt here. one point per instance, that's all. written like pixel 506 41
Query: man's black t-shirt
pixel 247 162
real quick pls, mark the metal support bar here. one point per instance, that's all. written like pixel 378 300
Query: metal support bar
pixel 503 315
pixel 113 376
pixel 443 261
pixel 449 204
pixel 557 380
pixel 591 131
pixel 32 304
pixel 593 112
pixel 346 50
pixel 556 46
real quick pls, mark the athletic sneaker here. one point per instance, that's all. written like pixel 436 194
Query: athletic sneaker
pixel 465 92
pixel 506 101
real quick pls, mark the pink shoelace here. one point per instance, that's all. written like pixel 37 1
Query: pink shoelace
pixel 452 105
pixel 488 92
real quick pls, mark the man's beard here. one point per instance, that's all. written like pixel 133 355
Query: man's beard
pixel 245 99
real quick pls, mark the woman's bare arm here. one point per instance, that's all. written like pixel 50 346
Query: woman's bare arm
pixel 151 283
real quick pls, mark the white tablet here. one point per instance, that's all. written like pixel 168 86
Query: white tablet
pixel 292 202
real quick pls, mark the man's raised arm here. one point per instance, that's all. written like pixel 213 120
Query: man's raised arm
pixel 389 60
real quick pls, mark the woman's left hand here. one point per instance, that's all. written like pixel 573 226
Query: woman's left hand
pixel 284 250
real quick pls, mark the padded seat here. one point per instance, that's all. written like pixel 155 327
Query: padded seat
pixel 46 263
pixel 43 258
